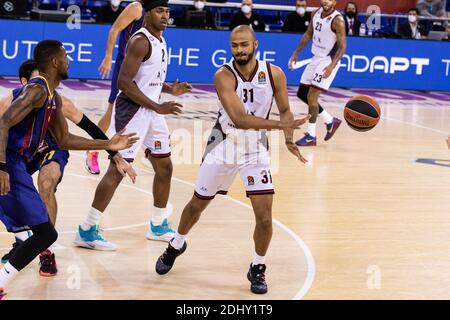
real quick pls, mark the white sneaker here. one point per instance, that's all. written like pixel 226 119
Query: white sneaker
pixel 93 239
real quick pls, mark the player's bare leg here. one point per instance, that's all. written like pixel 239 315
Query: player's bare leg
pixel 159 228
pixel 191 214
pixel 88 235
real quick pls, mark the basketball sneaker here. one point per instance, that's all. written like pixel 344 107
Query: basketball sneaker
pixel 256 276
pixel 92 162
pixel 162 232
pixel 331 128
pixel 8 256
pixel 307 141
pixel 167 259
pixel 93 239
pixel 47 265
pixel 2 293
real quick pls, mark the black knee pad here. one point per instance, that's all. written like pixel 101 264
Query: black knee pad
pixel 302 93
pixel 46 233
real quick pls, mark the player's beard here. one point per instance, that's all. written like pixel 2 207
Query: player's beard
pixel 243 62
pixel 64 75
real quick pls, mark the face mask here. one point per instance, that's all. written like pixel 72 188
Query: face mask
pixel 412 18
pixel 351 14
pixel 301 11
pixel 246 9
pixel 115 3
pixel 199 5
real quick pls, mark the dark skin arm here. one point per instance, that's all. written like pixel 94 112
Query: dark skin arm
pixel 282 100
pixel 137 49
pixel 177 88
pixel 307 36
pixel 32 97
pixel 338 26
pixel 225 84
pixel 68 141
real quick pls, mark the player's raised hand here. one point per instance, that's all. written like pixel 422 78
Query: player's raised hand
pixel 179 88
pixel 296 123
pixel 105 67
pixel 4 183
pixel 122 141
pixel 293 148
pixel 170 107
pixel 293 60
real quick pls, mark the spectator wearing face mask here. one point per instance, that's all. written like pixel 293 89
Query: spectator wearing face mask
pixel 352 24
pixel 248 17
pixel 109 12
pixel 412 29
pixel 299 20
pixel 197 16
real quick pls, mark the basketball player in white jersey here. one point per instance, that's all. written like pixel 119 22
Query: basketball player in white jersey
pixel 246 88
pixel 327 30
pixel 137 109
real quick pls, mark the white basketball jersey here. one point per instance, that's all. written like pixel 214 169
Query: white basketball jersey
pixel 152 72
pixel 324 38
pixel 256 94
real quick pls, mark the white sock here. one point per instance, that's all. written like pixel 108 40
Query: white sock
pixel 178 241
pixel 24 235
pixel 7 274
pixel 92 219
pixel 160 214
pixel 257 259
pixel 326 117
pixel 312 129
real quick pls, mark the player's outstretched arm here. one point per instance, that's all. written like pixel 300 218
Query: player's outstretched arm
pixel 131 13
pixel 32 96
pixel 139 49
pixel 286 116
pixel 177 88
pixel 69 141
pixel 225 86
pixel 307 36
pixel 341 41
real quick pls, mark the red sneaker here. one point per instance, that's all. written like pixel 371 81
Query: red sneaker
pixel 48 264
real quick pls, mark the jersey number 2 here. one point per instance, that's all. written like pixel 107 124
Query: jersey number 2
pixel 318 26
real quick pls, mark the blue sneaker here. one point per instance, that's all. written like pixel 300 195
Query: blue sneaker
pixel 162 232
pixel 307 141
pixel 331 128
pixel 93 239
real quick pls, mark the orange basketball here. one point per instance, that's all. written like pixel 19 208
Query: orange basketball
pixel 362 113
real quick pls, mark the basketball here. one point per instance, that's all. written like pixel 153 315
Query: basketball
pixel 362 113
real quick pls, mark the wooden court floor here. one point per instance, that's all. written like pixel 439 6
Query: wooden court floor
pixel 367 218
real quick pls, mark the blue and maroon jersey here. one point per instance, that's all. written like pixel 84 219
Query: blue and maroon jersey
pixel 126 34
pixel 26 137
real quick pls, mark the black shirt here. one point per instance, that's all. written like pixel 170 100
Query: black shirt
pixel 255 21
pixel 406 31
pixel 198 22
pixel 296 23
pixel 107 15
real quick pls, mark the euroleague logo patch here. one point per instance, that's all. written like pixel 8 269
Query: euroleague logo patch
pixel 262 77
pixel 157 145
pixel 250 181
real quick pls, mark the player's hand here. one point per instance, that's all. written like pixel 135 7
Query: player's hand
pixel 179 88
pixel 328 71
pixel 296 123
pixel 4 183
pixel 293 60
pixel 293 148
pixel 124 167
pixel 105 67
pixel 170 107
pixel 122 141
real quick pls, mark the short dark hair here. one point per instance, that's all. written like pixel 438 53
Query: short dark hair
pixel 26 69
pixel 414 9
pixel 353 3
pixel 45 51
